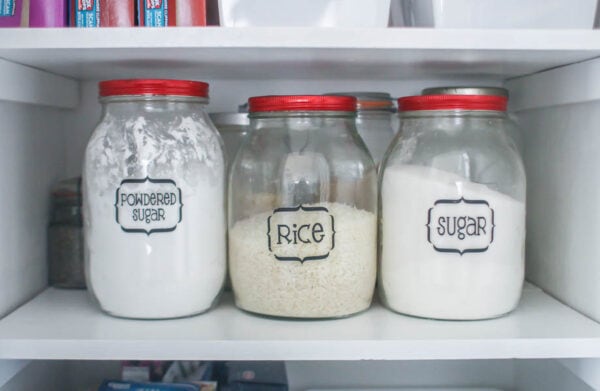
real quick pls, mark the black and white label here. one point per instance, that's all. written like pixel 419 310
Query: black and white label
pixel 460 226
pixel 148 205
pixel 301 233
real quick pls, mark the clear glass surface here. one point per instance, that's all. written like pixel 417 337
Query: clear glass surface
pixel 154 208
pixel 302 217
pixel 452 226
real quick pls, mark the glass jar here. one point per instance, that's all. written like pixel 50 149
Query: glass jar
pixel 375 114
pixel 233 128
pixel 65 236
pixel 452 210
pixel 154 201
pixel 512 131
pixel 302 210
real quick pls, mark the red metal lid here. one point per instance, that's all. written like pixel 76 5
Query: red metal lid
pixel 453 102
pixel 153 87
pixel 301 103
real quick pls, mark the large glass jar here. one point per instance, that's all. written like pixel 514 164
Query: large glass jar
pixel 154 201
pixel 452 210
pixel 374 121
pixel 302 210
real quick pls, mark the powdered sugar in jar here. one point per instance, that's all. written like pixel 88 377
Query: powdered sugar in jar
pixel 154 214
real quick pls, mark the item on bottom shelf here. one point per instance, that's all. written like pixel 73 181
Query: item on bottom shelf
pixel 154 201
pixel 48 13
pixel 512 131
pixel 252 375
pixel 102 13
pixel 374 121
pixel 303 204
pixel 162 13
pixel 452 210
pixel 294 13
pixel 525 14
pixel 14 13
pixel 116 385
pixel 65 236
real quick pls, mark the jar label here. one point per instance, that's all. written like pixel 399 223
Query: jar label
pixel 301 233
pixel 460 226
pixel 148 205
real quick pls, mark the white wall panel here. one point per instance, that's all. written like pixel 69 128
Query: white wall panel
pixel 562 158
pixel 31 160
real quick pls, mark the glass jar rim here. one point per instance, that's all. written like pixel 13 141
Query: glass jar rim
pixel 301 103
pixel 136 98
pixel 453 102
pixel 154 87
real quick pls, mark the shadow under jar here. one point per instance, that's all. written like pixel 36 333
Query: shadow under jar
pixel 452 210
pixel 302 210
pixel 154 201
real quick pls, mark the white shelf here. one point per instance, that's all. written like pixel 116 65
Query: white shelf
pixel 267 53
pixel 61 324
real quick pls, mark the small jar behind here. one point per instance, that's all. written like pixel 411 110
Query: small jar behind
pixel 374 121
pixel 302 210
pixel 234 129
pixel 65 236
pixel 154 201
pixel 452 210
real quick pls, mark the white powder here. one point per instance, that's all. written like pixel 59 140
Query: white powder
pixel 340 285
pixel 418 280
pixel 164 274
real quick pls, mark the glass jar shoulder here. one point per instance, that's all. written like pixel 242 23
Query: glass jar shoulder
pixel 475 147
pixel 270 146
pixel 139 146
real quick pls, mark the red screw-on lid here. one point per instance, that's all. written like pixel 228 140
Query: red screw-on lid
pixel 153 87
pixel 301 103
pixel 453 102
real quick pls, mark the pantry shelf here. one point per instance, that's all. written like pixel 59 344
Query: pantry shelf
pixel 312 53
pixel 64 324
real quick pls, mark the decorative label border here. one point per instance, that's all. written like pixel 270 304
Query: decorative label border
pixel 453 250
pixel 148 179
pixel 306 209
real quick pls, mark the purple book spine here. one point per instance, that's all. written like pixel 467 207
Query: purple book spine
pixel 15 19
pixel 47 13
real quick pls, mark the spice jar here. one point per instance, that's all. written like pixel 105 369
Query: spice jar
pixel 154 208
pixel 65 236
pixel 375 111
pixel 233 128
pixel 452 210
pixel 512 131
pixel 302 210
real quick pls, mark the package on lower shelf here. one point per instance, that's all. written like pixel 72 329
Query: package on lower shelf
pixel 163 13
pixel 111 385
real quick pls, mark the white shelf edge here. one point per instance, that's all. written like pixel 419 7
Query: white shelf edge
pixel 67 325
pixel 300 350
pixel 301 37
pixel 23 84
pixel 569 84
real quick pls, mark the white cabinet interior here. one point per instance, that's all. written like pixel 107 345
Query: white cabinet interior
pixel 49 107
